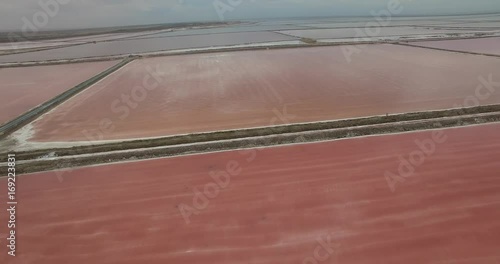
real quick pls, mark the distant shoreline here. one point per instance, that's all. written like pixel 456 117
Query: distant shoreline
pixel 8 37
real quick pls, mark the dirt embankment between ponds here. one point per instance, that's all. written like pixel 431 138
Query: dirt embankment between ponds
pixel 59 158
pixel 33 113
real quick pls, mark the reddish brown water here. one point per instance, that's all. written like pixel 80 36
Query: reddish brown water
pixel 207 92
pixel 23 88
pixel 276 205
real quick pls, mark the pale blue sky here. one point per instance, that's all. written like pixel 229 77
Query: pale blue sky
pixel 96 13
